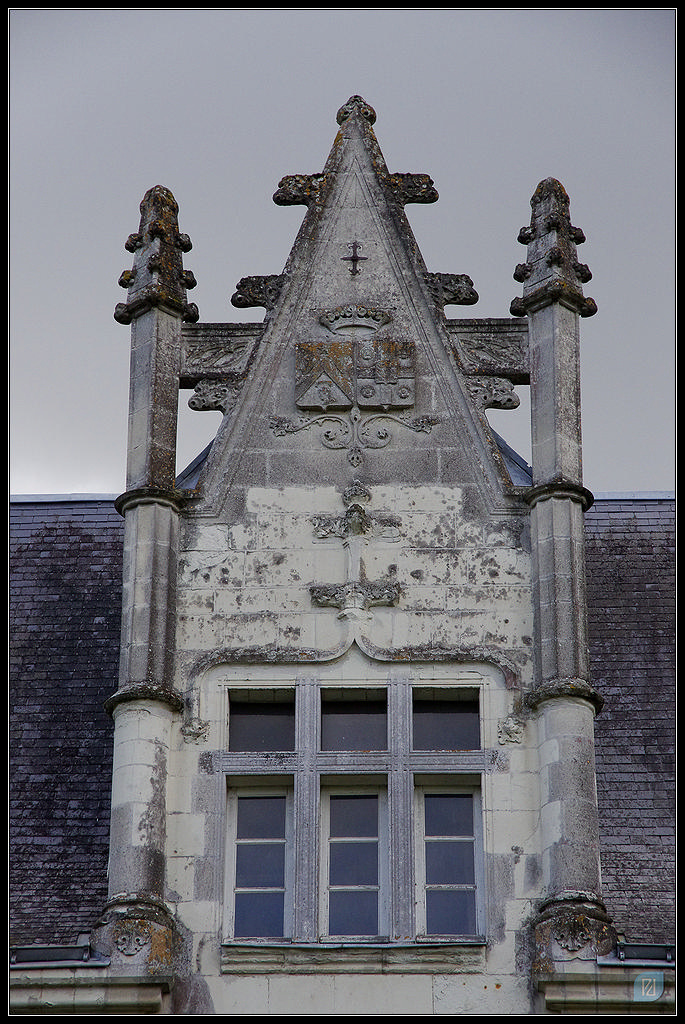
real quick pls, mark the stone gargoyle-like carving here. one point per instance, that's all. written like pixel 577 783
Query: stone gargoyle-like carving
pixel 492 392
pixel 572 933
pixel 215 395
pixel 258 290
pixel 131 936
pixel 452 290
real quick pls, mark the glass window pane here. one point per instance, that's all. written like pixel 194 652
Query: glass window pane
pixel 449 814
pixel 354 725
pixel 446 725
pixel 354 864
pixel 261 726
pixel 354 816
pixel 260 865
pixel 449 862
pixel 261 817
pixel 258 915
pixel 451 913
pixel 353 913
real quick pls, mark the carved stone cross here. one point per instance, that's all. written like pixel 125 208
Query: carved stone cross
pixel 355 258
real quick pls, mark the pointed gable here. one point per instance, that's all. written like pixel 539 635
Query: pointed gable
pixel 358 383
pixel 356 368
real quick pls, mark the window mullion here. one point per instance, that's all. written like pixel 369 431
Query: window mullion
pixel 401 812
pixel 306 815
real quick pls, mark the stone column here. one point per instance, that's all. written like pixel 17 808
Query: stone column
pixel 572 918
pixel 136 929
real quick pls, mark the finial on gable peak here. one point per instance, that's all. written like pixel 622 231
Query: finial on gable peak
pixel 360 104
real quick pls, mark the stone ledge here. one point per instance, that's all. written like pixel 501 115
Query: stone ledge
pixel 414 958
pixel 605 990
pixel 79 991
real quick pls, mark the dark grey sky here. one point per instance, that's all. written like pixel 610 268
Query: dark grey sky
pixel 218 105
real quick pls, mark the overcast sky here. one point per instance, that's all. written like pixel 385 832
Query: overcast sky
pixel 219 104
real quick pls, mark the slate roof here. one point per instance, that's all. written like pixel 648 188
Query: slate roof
pixel 65 622
pixel 65 608
pixel 630 569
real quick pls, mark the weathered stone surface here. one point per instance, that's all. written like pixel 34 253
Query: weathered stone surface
pixel 354 535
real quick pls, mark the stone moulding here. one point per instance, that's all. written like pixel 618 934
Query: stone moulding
pixel 97 993
pixel 559 488
pixel 145 691
pixel 413 958
pixel 564 688
pixel 605 990
pixel 149 496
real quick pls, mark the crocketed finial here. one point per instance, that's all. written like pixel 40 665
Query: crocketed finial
pixel 551 272
pixel 360 104
pixel 157 277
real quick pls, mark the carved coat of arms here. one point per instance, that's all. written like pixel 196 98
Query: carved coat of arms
pixel 341 372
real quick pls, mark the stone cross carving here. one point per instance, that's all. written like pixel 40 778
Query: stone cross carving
pixel 355 258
